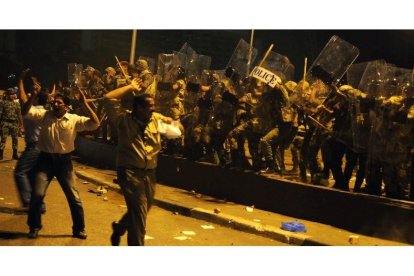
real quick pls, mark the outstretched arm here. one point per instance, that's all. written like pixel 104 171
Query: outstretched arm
pixel 27 102
pixel 121 91
pixel 92 113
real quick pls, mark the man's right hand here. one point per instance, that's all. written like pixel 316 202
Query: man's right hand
pixel 136 84
pixel 36 88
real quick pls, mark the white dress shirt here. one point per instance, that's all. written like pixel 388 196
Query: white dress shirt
pixel 58 135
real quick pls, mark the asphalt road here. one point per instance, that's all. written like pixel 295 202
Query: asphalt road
pixel 163 227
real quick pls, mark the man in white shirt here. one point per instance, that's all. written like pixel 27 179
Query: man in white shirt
pixel 56 142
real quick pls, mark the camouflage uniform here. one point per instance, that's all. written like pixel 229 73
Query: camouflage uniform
pixel 9 124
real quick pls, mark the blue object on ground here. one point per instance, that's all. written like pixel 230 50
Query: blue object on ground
pixel 294 226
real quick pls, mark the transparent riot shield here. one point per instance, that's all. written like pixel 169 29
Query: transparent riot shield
pixel 325 72
pixel 329 67
pixel 333 61
pixel 74 74
pixel 166 62
pixel 378 83
pixel 358 104
pixel 196 65
pixel 397 87
pixel 169 67
pixel 238 66
pixel 356 71
pixel 150 61
pixel 280 65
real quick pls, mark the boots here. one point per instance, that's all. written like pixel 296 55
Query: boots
pixel 15 156
pixel 270 167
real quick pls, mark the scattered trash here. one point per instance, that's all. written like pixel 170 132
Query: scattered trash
pixel 122 206
pixel 182 238
pixel 148 237
pixel 105 198
pixel 198 195
pixel 217 211
pixel 193 192
pixel 85 182
pixel 256 220
pixel 101 190
pixel 188 233
pixel 293 226
pixel 250 209
pixel 353 239
pixel 207 226
pixel 175 213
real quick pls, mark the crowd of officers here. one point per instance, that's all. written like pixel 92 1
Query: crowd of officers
pixel 244 123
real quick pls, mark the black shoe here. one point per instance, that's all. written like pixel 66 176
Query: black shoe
pixel 33 233
pixel 115 237
pixel 268 170
pixel 80 235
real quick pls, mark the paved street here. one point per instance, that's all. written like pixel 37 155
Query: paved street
pixel 164 227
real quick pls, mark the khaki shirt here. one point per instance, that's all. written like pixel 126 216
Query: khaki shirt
pixel 136 148
pixel 58 135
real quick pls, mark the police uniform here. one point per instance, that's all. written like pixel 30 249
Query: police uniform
pixel 9 124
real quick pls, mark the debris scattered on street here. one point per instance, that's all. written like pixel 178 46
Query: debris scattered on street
pixel 353 239
pixel 148 237
pixel 198 195
pixel 101 190
pixel 175 213
pixel 188 233
pixel 193 192
pixel 217 211
pixel 105 198
pixel 249 208
pixel 294 226
pixel 122 206
pixel 182 238
pixel 85 182
pixel 209 226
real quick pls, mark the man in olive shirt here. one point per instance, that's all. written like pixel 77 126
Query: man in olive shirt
pixel 139 142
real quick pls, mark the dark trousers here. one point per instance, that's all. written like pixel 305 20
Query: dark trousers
pixel 24 173
pixel 138 187
pixel 59 166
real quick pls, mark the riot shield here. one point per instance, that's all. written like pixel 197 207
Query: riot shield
pixel 238 66
pixel 357 76
pixel 166 62
pixel 74 73
pixel 373 78
pixel 398 88
pixel 382 86
pixel 150 61
pixel 280 65
pixel 356 71
pixel 333 61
